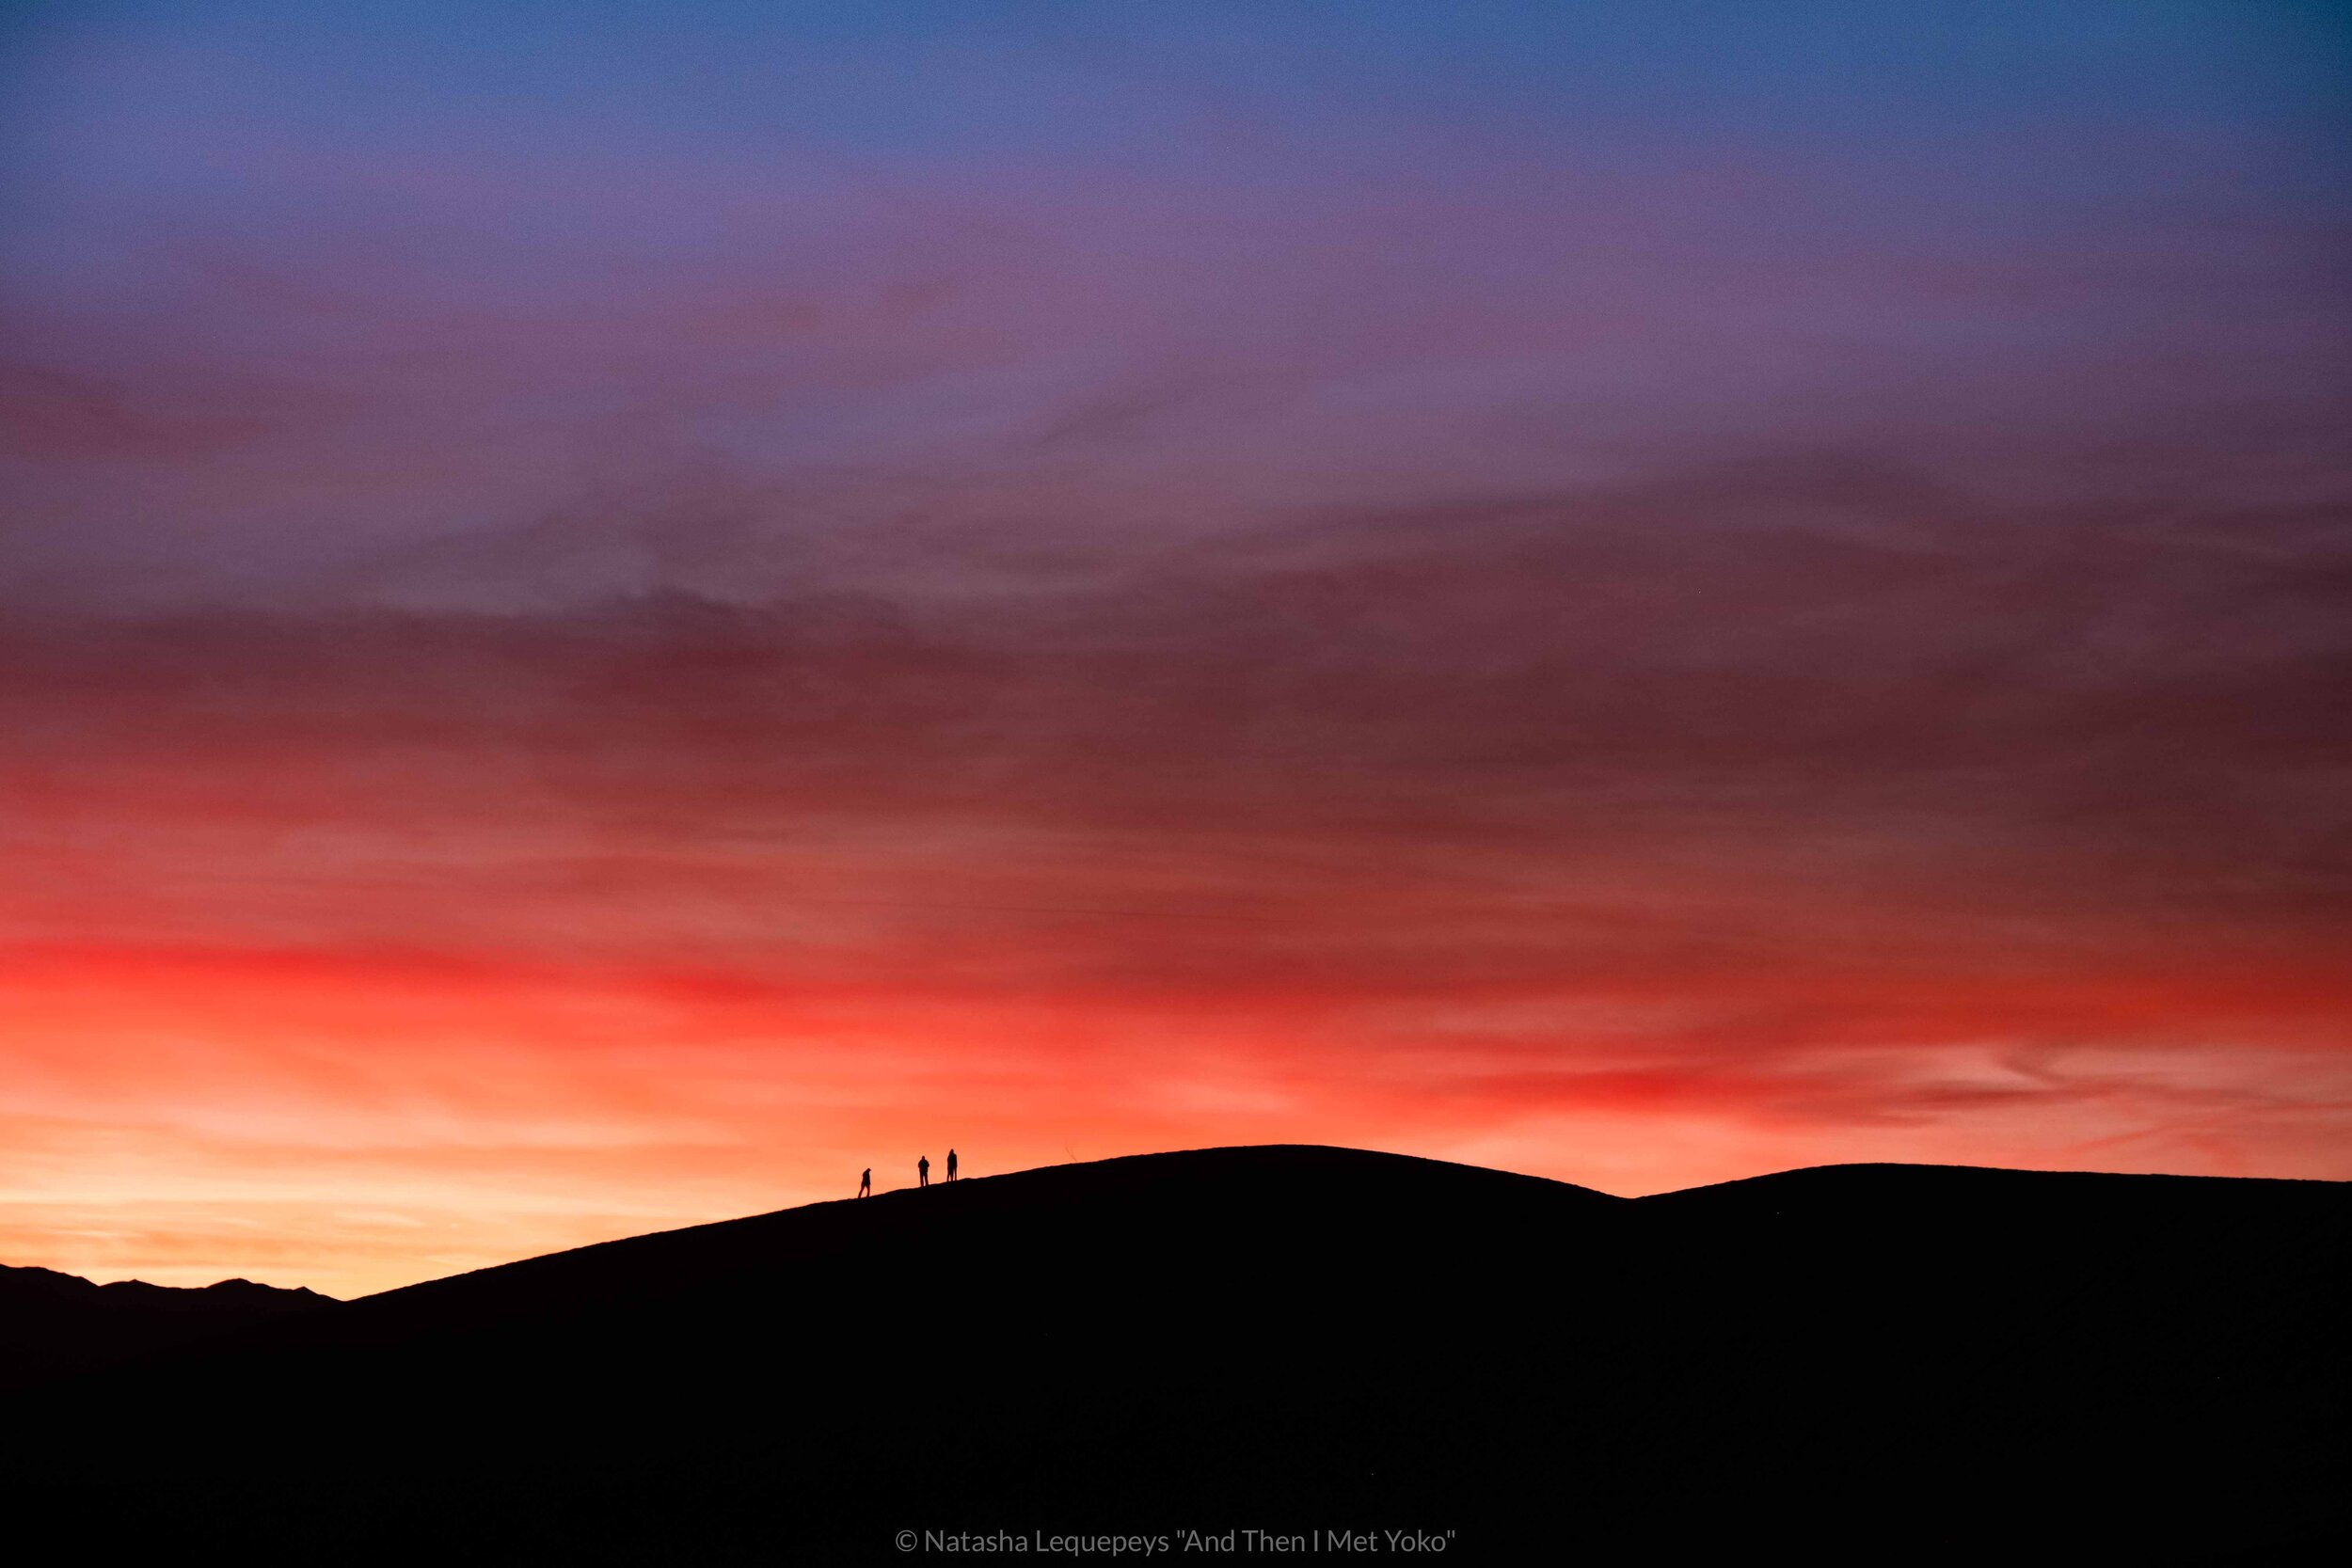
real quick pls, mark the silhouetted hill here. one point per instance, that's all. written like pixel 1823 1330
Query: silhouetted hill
pixel 1891 1363
pixel 53 1323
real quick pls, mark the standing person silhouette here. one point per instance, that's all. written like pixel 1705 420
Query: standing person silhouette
pixel 951 1164
pixel 923 1171
pixel 866 1183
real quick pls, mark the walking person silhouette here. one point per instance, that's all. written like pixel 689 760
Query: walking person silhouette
pixel 866 1183
pixel 951 1164
pixel 923 1171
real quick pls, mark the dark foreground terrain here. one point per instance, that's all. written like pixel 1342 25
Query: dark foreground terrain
pixel 1891 1364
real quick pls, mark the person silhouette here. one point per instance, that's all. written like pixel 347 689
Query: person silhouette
pixel 923 1171
pixel 866 1183
pixel 951 1164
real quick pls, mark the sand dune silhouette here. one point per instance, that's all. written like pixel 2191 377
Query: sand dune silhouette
pixel 1892 1362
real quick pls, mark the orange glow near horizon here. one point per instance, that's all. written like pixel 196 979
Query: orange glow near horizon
pixel 353 1124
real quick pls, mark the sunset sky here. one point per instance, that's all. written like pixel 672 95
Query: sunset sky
pixel 610 614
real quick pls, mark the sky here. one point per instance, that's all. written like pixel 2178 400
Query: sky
pixel 611 613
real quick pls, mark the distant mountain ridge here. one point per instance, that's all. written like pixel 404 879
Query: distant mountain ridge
pixel 54 1323
pixel 232 1295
